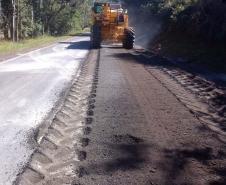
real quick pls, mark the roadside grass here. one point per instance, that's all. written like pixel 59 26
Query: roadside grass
pixel 7 47
pixel 176 45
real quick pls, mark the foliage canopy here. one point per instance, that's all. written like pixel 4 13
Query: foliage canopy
pixel 29 18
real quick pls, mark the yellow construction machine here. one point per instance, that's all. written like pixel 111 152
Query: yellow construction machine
pixel 111 24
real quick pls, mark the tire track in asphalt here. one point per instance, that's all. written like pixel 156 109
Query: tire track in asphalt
pixel 58 158
pixel 203 98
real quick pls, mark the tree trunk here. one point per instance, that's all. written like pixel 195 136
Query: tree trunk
pixel 13 21
pixel 6 33
pixel 42 19
pixel 32 20
pixel 17 21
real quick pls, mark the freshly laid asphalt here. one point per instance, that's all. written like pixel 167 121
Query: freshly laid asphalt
pixel 122 124
pixel 142 134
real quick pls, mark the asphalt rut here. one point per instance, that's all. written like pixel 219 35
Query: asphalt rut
pixel 57 159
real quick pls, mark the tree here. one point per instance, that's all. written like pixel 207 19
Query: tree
pixel 29 18
pixel 7 11
pixel 200 18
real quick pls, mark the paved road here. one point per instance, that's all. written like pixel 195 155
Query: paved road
pixel 123 124
pixel 30 86
pixel 142 134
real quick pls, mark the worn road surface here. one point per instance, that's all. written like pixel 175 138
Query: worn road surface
pixel 122 124
pixel 31 84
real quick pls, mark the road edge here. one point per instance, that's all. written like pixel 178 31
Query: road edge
pixel 36 135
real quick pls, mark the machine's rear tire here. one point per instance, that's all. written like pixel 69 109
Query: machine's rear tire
pixel 95 36
pixel 129 38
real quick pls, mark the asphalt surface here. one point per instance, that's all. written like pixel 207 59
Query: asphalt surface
pixel 126 123
pixel 143 135
pixel 31 84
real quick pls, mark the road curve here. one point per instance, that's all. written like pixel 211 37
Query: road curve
pixel 30 86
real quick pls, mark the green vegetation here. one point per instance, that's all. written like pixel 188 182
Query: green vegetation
pixel 175 45
pixel 197 18
pixel 192 29
pixel 28 24
pixel 21 19
pixel 7 47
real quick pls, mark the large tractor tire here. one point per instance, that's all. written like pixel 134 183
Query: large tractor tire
pixel 129 38
pixel 95 36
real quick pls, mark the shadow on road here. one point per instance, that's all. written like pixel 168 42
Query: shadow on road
pixel 175 162
pixel 204 85
pixel 112 46
pixel 77 45
pixel 132 157
pixel 183 66
pixel 127 153
pixel 86 34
